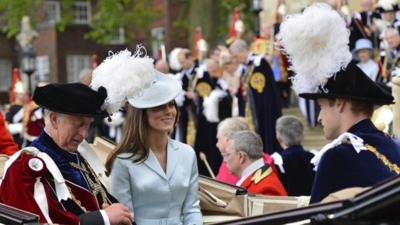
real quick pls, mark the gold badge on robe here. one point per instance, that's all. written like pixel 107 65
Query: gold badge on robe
pixel 203 89
pixel 258 82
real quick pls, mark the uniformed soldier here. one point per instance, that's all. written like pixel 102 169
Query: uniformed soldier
pixel 244 158
pixel 359 155
pixel 15 112
pixel 258 90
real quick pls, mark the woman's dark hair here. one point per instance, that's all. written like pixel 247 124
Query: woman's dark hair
pixel 135 139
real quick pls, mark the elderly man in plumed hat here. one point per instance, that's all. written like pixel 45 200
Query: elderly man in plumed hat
pixel 359 155
pixel 51 178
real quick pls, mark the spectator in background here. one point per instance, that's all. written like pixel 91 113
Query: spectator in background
pixel 390 53
pixel 364 52
pixel 244 158
pixel 294 163
pixel 162 66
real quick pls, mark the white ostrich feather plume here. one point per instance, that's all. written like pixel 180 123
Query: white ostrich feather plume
pixel 387 4
pixel 123 75
pixel 316 43
pixel 173 59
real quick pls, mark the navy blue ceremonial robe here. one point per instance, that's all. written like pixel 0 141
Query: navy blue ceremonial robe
pixel 298 175
pixel 206 131
pixel 187 108
pixel 342 167
pixel 265 102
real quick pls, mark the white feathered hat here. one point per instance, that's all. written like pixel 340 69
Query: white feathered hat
pixel 163 89
pixel 132 78
pixel 124 75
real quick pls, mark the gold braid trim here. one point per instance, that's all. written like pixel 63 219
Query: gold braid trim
pixel 393 167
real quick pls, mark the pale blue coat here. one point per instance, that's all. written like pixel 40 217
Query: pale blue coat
pixel 156 197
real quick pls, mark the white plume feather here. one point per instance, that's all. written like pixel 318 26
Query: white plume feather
pixel 387 4
pixel 123 75
pixel 316 42
pixel 173 59
pixel 210 105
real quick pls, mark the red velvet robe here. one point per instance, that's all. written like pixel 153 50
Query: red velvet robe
pixel 17 190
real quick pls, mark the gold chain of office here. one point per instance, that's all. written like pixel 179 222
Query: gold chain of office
pixel 393 167
pixel 95 186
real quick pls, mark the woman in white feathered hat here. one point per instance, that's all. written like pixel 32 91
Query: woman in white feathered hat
pixel 155 176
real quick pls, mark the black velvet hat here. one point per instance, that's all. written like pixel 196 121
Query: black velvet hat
pixel 352 83
pixel 72 98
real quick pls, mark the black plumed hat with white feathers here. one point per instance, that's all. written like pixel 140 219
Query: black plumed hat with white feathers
pixel 316 43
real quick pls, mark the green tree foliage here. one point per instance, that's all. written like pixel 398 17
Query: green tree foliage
pixel 107 16
pixel 214 18
pixel 12 11
pixel 112 14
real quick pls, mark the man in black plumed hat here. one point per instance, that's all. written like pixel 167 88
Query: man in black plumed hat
pixel 50 178
pixel 359 155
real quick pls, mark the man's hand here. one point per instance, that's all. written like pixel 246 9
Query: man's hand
pixel 118 214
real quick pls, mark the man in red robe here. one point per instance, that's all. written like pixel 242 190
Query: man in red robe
pixel 244 158
pixel 50 178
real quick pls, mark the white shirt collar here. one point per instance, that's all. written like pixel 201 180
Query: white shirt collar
pixel 250 170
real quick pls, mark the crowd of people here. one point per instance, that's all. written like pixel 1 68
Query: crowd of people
pixel 230 102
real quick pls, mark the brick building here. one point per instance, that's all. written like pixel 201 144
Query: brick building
pixel 61 56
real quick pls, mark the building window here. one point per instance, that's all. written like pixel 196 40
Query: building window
pixel 5 74
pixel 42 68
pixel 52 11
pixel 75 64
pixel 118 36
pixel 82 12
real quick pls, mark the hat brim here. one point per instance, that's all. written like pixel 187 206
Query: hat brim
pixel 374 101
pixel 101 114
pixel 74 99
pixel 164 89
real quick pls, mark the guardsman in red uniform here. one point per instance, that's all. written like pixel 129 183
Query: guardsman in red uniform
pixel 7 145
pixel 244 158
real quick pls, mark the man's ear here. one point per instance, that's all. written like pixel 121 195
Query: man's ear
pixel 341 104
pixel 53 119
pixel 242 156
